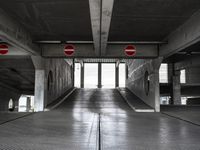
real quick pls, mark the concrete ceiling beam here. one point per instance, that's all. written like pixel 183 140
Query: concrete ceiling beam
pixel 14 34
pixel 95 13
pixel 106 15
pixel 183 37
pixel 87 51
pixel 101 14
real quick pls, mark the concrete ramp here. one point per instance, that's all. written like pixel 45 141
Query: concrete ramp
pixel 134 102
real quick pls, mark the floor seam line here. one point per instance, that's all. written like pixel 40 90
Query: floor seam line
pixel 181 119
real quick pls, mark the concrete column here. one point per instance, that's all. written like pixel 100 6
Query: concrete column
pixel 117 74
pixel 126 74
pixel 99 75
pixel 156 88
pixel 39 95
pixel 72 72
pixel 82 75
pixel 176 86
pixel 40 86
pixel 28 104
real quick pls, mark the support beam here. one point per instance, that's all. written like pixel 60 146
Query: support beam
pixel 99 75
pixel 107 9
pixel 82 75
pixel 14 34
pixel 190 62
pixel 40 86
pixel 183 37
pixel 116 75
pixel 87 51
pixel 95 13
pixel 176 86
pixel 101 14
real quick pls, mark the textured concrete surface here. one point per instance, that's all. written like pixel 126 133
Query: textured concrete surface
pixel 61 78
pixel 134 102
pixel 8 116
pixel 188 113
pixel 75 126
pixel 137 68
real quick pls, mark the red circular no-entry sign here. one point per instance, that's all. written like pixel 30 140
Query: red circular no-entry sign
pixel 3 49
pixel 130 50
pixel 69 49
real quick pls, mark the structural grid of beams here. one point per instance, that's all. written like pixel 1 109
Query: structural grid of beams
pixel 15 35
pixel 101 13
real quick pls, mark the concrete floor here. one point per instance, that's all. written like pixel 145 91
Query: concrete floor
pixel 187 113
pixel 91 118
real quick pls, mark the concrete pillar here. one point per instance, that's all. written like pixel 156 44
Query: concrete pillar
pixel 40 86
pixel 126 69
pixel 156 88
pixel 99 75
pixel 28 104
pixel 73 72
pixel 176 86
pixel 117 74
pixel 82 75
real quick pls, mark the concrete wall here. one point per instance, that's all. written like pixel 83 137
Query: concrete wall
pixel 61 78
pixel 136 77
pixel 193 75
pixel 5 95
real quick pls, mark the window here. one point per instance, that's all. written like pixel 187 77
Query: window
pixel 11 105
pixel 26 103
pixel 182 76
pixel 163 73
pixel 108 75
pixel 165 100
pixel 77 75
pixel 122 74
pixel 183 100
pixel 91 75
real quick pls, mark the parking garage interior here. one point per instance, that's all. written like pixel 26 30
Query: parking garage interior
pixel 99 74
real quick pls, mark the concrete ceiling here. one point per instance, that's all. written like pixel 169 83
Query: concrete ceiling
pixel 188 53
pixel 18 74
pixel 149 20
pixel 70 19
pixel 52 19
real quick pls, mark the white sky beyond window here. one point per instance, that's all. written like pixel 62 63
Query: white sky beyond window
pixel 91 75
pixel 122 75
pixel 108 75
pixel 182 76
pixel 163 73
pixel 77 75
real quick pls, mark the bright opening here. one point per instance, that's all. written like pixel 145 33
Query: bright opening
pixel 182 76
pixel 108 75
pixel 91 75
pixel 163 73
pixel 26 103
pixel 77 75
pixel 122 75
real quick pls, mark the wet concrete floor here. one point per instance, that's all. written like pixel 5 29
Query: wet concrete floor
pixel 93 119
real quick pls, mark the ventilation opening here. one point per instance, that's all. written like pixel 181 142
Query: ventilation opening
pixel 146 83
pixel 11 105
pixel 50 81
